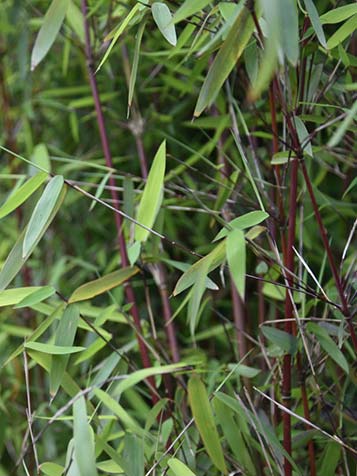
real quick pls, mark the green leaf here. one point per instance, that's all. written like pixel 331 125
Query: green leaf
pixel 304 136
pixel 189 8
pixel 315 21
pixel 9 297
pixel 134 69
pixel 101 285
pixel 53 349
pixel 84 450
pixel 179 468
pixel 110 466
pixel 163 19
pixel 328 345
pixel 39 220
pixel 22 194
pixel 142 374
pixel 152 196
pixel 51 469
pixel 202 413
pixel 289 25
pixel 215 258
pixel 339 14
pixel 133 455
pixel 65 335
pixel 15 260
pixel 286 342
pixel 196 294
pixel 236 258
pixel 342 128
pixel 244 221
pixel 36 296
pixel 225 60
pixel 50 27
pixel 342 33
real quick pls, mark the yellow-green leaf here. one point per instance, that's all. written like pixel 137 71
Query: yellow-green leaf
pixel 39 220
pixel 50 27
pixel 22 194
pixel 152 196
pixel 202 413
pixel 84 450
pixel 179 468
pixel 36 296
pixel 9 297
pixel 53 349
pixel 225 59
pixel 101 285
pixel 236 259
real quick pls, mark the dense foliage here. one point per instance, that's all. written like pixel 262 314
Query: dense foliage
pixel 177 205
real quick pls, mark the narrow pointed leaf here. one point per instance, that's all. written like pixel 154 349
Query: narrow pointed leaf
pixel 179 468
pixel 101 285
pixel 39 220
pixel 286 342
pixel 53 349
pixel 315 21
pixel 225 59
pixel 15 260
pixel 196 295
pixel 189 8
pixel 202 413
pixel 9 297
pixel 46 36
pixel 22 194
pixel 152 196
pixel 163 19
pixel 36 296
pixel 134 69
pixel 236 258
pixel 339 14
pixel 84 451
pixel 342 33
pixel 243 222
pixel 65 335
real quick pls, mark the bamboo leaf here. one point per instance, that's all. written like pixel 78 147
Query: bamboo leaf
pixel 22 194
pixel 163 19
pixel 36 296
pixel 342 128
pixel 342 33
pixel 39 220
pixel 51 26
pixel 53 349
pixel 202 413
pixel 152 196
pixel 328 345
pixel 134 69
pixel 245 221
pixel 51 469
pixel 286 342
pixel 315 21
pixel 189 8
pixel 133 455
pixel 9 297
pixel 196 295
pixel 83 440
pixel 225 60
pixel 236 259
pixel 65 335
pixel 118 32
pixel 339 14
pixel 179 468
pixel 101 285
pixel 15 260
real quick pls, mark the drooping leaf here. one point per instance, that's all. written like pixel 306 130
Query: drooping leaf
pixel 133 455
pixel 51 469
pixel 286 342
pixel 84 451
pixel 53 349
pixel 304 136
pixel 22 194
pixel 342 128
pixel 36 296
pixel 101 285
pixel 65 335
pixel 245 221
pixel 134 69
pixel 39 220
pixel 51 26
pixel 328 344
pixel 179 468
pixel 9 297
pixel 236 259
pixel 289 25
pixel 225 60
pixel 204 420
pixel 152 196
pixel 189 8
pixel 196 294
pixel 315 21
pixel 163 19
